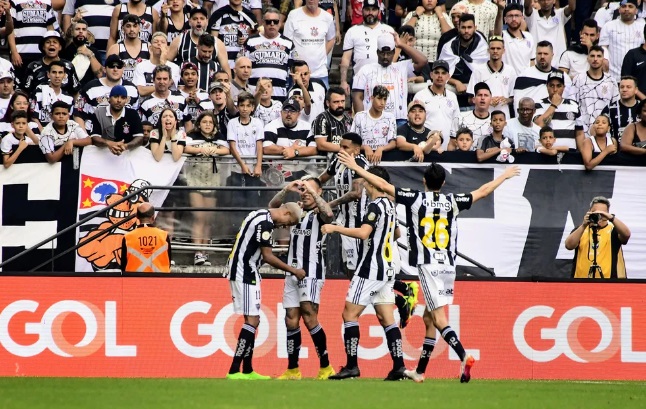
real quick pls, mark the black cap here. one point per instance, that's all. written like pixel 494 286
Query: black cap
pixel 291 104
pixel 440 64
pixel 556 75
pixel 112 59
pixel 370 3
pixel 633 2
pixel 197 10
pixel 479 86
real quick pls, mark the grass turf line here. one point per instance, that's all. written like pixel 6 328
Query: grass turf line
pixel 98 393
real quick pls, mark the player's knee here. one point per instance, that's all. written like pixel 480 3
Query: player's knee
pixel 428 321
pixel 310 318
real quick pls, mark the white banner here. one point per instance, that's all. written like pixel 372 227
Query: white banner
pixel 106 178
pixel 521 228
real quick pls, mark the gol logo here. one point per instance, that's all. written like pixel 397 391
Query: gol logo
pixel 566 337
pixel 100 329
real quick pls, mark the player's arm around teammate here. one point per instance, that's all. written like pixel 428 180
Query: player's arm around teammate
pixel 301 296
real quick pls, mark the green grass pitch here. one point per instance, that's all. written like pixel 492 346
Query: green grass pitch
pixel 70 393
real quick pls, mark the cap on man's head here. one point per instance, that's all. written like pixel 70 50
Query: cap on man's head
pixel 416 103
pixel 633 2
pixel 118 91
pixel 113 60
pixel 370 3
pixel 131 18
pixel 440 64
pixel 189 66
pixel 556 75
pixel 50 34
pixel 5 74
pixel 386 42
pixel 459 8
pixel 216 85
pixel 480 86
pixel 198 10
pixel 291 104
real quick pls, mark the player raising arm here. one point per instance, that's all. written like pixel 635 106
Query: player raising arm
pixel 432 236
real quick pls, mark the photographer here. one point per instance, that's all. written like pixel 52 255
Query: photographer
pixel 597 243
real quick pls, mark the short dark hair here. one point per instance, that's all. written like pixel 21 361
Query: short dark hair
pixel 498 112
pixel 642 104
pixel 434 176
pixel 628 77
pixel 599 199
pixel 146 123
pixel 162 68
pixel 545 130
pixel 206 40
pixel 353 137
pixel 596 48
pixel 380 172
pixel 148 214
pixel 464 130
pixel 410 30
pixel 545 43
pixel 467 17
pixel 57 63
pixel 334 90
pixel 19 114
pixel 60 104
pixel 510 7
pixel 246 96
pixel 379 91
pixel 592 23
pixel 298 63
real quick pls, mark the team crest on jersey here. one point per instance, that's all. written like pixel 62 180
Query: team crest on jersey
pixel 315 31
pixel 505 80
pixel 372 216
pixel 555 20
pixel 126 128
pixel 570 116
pixel 604 89
pixel 266 235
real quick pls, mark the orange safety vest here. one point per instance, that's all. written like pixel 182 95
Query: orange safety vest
pixel 147 250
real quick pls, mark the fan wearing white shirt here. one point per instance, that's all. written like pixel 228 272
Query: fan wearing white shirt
pixel 520 45
pixel 143 75
pixel 313 33
pixel 360 42
pixel 376 127
pixel 621 35
pixel 548 23
pixel 62 134
pixel 393 76
pixel 522 131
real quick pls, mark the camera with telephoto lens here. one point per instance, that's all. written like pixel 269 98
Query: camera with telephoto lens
pixel 594 218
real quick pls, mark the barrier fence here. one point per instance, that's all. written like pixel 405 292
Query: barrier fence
pixel 185 327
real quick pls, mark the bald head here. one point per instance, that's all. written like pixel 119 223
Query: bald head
pixel 146 213
pixel 242 69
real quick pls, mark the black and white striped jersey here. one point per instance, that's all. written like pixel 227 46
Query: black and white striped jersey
pixel 565 121
pixel 130 61
pixel 174 31
pixel 152 106
pixel 270 58
pixel 230 24
pixel 31 20
pixel 146 28
pixel 350 214
pixel 95 93
pixel 246 257
pixel 380 256
pixel 431 224
pixel 306 245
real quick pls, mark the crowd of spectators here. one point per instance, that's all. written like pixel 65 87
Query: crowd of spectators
pixel 252 77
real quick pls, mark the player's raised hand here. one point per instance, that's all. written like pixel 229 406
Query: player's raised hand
pixel 511 171
pixel 347 159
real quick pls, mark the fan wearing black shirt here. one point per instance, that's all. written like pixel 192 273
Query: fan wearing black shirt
pixel 414 136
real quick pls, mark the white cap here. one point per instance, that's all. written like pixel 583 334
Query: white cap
pixel 386 41
pixel 5 74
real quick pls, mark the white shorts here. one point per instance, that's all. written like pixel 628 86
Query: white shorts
pixel 297 291
pixel 437 282
pixel 350 252
pixel 365 292
pixel 246 298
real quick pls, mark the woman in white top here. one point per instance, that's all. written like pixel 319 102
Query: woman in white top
pixel 430 22
pixel 167 137
pixel 599 142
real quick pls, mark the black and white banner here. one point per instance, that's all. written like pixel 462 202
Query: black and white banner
pixel 521 228
pixel 37 199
